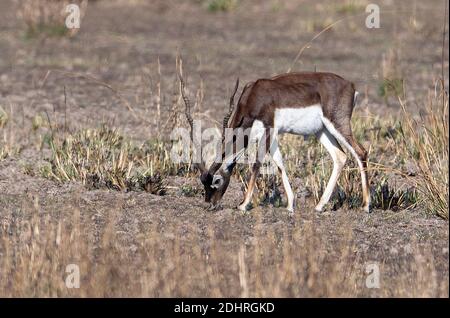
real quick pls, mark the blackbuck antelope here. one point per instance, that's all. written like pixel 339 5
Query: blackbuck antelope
pixel 307 103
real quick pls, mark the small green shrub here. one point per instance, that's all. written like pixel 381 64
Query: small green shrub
pixel 189 191
pixel 221 5
pixel 391 88
pixel 350 7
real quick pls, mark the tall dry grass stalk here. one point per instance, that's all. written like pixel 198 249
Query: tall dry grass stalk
pixel 8 141
pixel 426 140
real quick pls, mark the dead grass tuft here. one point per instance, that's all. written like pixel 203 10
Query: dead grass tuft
pixel 47 17
pixel 104 158
pixel 426 143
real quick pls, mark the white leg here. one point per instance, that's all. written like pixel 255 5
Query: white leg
pixel 345 143
pixel 339 158
pixel 257 134
pixel 278 159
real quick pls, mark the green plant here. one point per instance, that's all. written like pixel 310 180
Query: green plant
pixel 391 87
pixel 221 5
pixel 54 30
pixel 37 122
pixel 189 191
pixel 386 197
pixel 350 7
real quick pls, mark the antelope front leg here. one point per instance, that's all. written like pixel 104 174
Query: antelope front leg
pixel 278 159
pixel 251 186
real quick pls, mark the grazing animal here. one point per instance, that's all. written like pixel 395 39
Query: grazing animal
pixel 306 103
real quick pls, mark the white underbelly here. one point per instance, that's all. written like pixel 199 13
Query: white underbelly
pixel 299 121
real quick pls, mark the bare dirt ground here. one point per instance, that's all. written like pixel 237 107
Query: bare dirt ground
pixel 120 42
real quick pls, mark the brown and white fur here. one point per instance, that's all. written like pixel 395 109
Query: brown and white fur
pixel 307 103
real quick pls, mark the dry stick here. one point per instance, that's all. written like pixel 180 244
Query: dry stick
pixel 443 50
pixel 200 96
pixel 177 97
pixel 106 85
pixel 45 78
pixel 11 112
pixel 443 40
pixel 158 97
pixel 307 45
pixel 65 109
pixel 149 82
pixel 49 124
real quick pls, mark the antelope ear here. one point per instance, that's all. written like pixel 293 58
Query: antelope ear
pixel 217 181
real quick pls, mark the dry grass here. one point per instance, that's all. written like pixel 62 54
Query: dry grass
pixel 391 83
pixel 351 6
pixel 160 248
pixel 277 263
pixel 8 143
pixel 4 145
pixel 408 162
pixel 102 157
pixel 46 17
pixel 426 141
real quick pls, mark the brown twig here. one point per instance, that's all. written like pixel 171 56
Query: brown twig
pixel 307 45
pixel 444 31
pixel 99 82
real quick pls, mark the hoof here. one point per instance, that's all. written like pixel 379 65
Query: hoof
pixel 318 209
pixel 243 207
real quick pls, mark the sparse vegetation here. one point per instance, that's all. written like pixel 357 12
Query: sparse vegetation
pixel 7 143
pixel 86 175
pixel 221 5
pixel 426 142
pixel 391 83
pixel 104 158
pixel 3 117
pixel 391 87
pixel 46 17
pixel 189 191
pixel 350 7
pixel 279 262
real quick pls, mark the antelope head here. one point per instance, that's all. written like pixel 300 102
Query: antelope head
pixel 215 180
